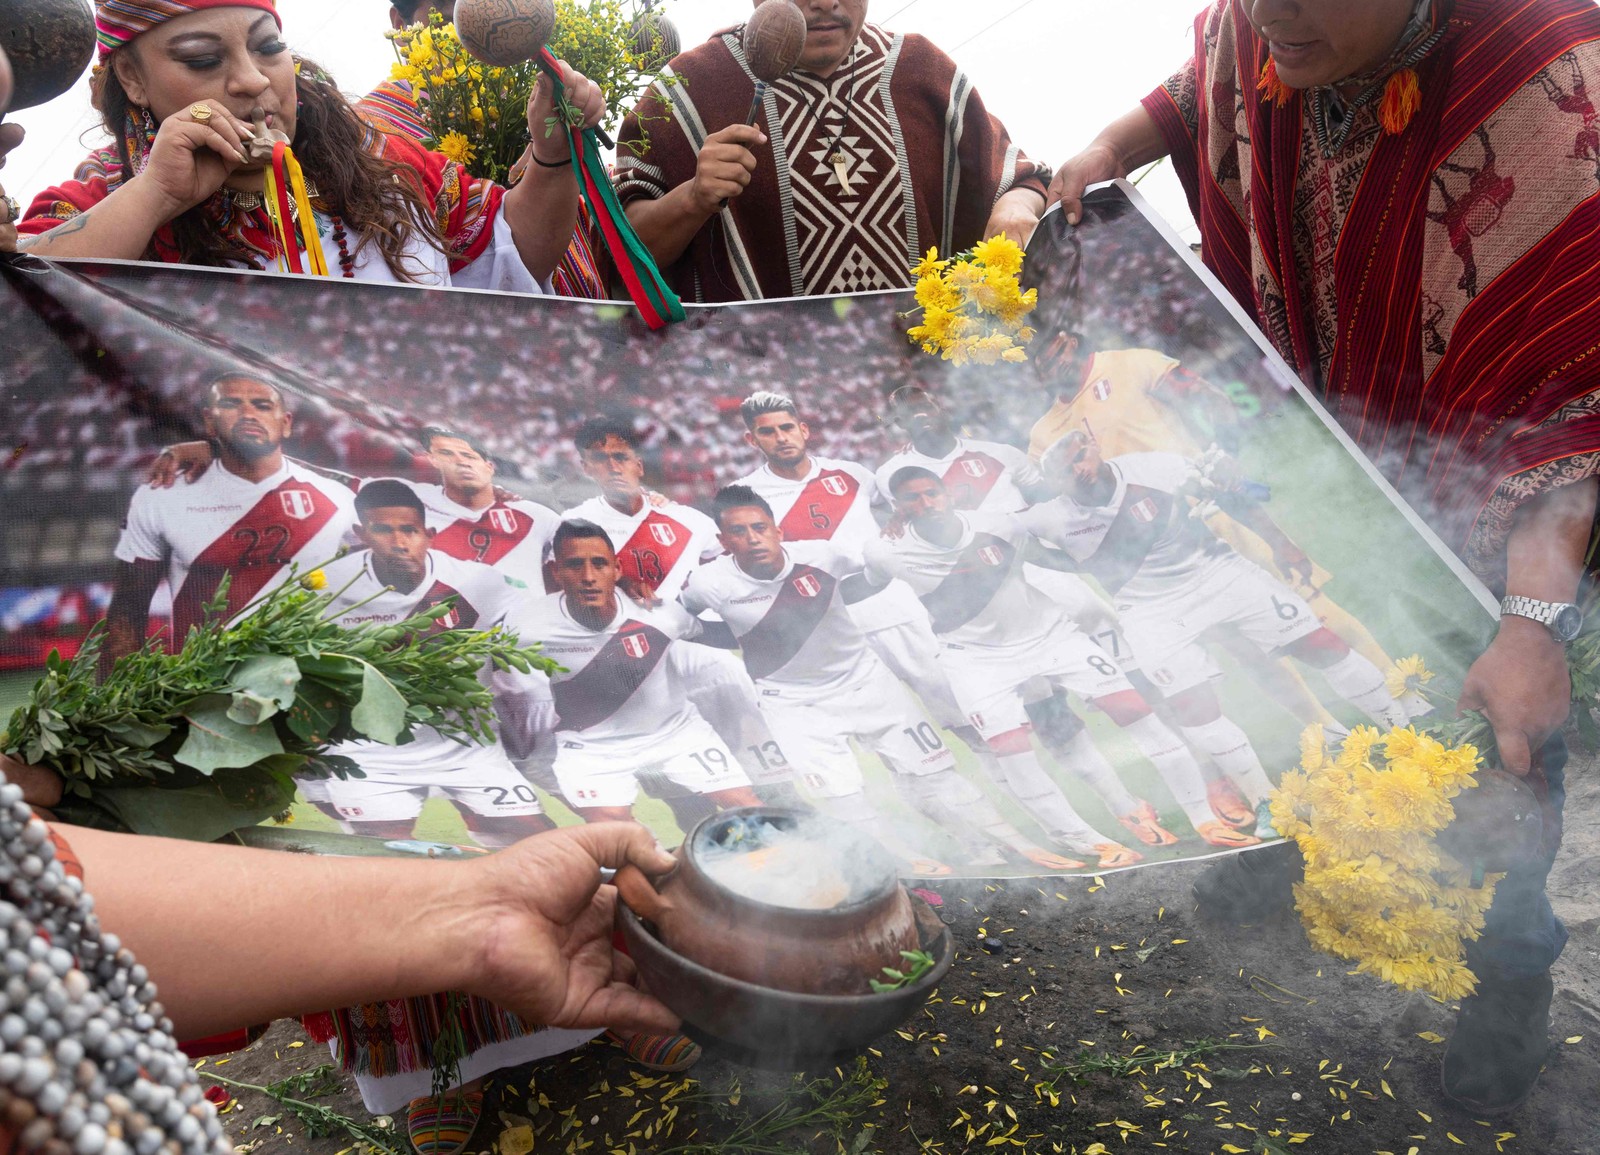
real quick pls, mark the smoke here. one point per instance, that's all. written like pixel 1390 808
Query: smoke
pixel 792 860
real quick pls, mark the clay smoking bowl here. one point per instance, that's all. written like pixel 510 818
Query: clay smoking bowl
pixel 779 899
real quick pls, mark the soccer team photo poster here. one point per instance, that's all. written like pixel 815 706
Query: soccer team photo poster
pixel 1066 615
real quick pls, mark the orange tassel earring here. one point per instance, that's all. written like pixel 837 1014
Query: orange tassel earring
pixel 1402 96
pixel 1273 89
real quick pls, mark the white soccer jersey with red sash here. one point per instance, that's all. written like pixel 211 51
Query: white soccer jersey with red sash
pixel 794 630
pixel 833 503
pixel 511 536
pixel 974 591
pixel 482 597
pixel 616 688
pixel 222 524
pixel 659 547
pixel 980 475
pixel 1142 542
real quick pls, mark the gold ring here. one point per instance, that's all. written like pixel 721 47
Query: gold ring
pixel 199 113
pixel 13 210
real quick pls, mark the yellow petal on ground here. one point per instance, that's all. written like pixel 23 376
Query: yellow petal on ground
pixel 1430 1037
pixel 1573 1039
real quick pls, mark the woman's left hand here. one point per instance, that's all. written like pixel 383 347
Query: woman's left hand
pixel 41 788
pixel 582 94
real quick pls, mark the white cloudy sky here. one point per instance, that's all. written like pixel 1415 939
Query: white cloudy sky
pixel 1053 70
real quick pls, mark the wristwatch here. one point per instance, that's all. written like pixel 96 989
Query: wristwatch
pixel 1562 619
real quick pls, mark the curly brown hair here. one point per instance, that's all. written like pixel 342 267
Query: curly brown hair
pixel 383 202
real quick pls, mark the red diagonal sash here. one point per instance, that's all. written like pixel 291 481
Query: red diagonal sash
pixel 821 506
pixel 655 547
pixel 794 615
pixel 1145 516
pixel 463 614
pixel 604 686
pixel 488 539
pixel 254 549
pixel 970 477
pixel 971 584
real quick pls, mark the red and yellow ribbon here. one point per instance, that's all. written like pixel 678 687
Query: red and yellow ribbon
pixel 286 183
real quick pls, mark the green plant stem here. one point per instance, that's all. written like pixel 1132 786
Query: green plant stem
pixel 806 1104
pixel 1121 1066
pixel 318 1118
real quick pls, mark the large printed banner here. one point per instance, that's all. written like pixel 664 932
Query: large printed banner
pixel 1065 615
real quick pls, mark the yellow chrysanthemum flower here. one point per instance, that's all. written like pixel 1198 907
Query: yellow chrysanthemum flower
pixel 981 290
pixel 1377 888
pixel 1406 676
pixel 1313 748
pixel 1001 253
pixel 455 146
pixel 930 265
pixel 315 580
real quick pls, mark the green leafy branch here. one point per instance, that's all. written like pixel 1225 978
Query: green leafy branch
pixel 918 963
pixel 262 697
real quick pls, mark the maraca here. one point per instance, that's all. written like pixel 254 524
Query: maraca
pixel 655 38
pixel 506 33
pixel 50 43
pixel 774 39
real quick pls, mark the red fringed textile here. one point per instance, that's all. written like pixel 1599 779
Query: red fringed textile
pixel 224 1044
pixel 1402 96
pixel 397 1037
pixel 1271 88
pixel 1464 273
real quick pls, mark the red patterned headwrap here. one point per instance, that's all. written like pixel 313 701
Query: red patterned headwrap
pixel 117 22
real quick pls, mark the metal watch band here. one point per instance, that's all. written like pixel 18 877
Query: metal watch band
pixel 1541 612
pixel 1562 619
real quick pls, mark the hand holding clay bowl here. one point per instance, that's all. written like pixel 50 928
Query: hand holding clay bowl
pixel 769 932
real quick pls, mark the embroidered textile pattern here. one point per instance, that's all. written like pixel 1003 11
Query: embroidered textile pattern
pixel 845 238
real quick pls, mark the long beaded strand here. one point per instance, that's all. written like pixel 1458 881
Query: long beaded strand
pixel 88 1064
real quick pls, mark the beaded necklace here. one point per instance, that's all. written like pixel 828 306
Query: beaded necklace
pixel 250 202
pixel 88 1064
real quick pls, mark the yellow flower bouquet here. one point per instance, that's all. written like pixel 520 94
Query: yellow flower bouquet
pixel 972 304
pixel 474 113
pixel 1379 889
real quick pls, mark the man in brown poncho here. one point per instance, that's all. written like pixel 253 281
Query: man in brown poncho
pixel 875 149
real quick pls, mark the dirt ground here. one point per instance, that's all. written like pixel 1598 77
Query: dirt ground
pixel 1068 973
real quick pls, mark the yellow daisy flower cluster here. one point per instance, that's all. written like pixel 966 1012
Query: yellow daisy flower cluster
pixel 477 112
pixel 973 307
pixel 1378 890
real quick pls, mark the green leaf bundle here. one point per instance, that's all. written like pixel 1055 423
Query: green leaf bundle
pixel 206 740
